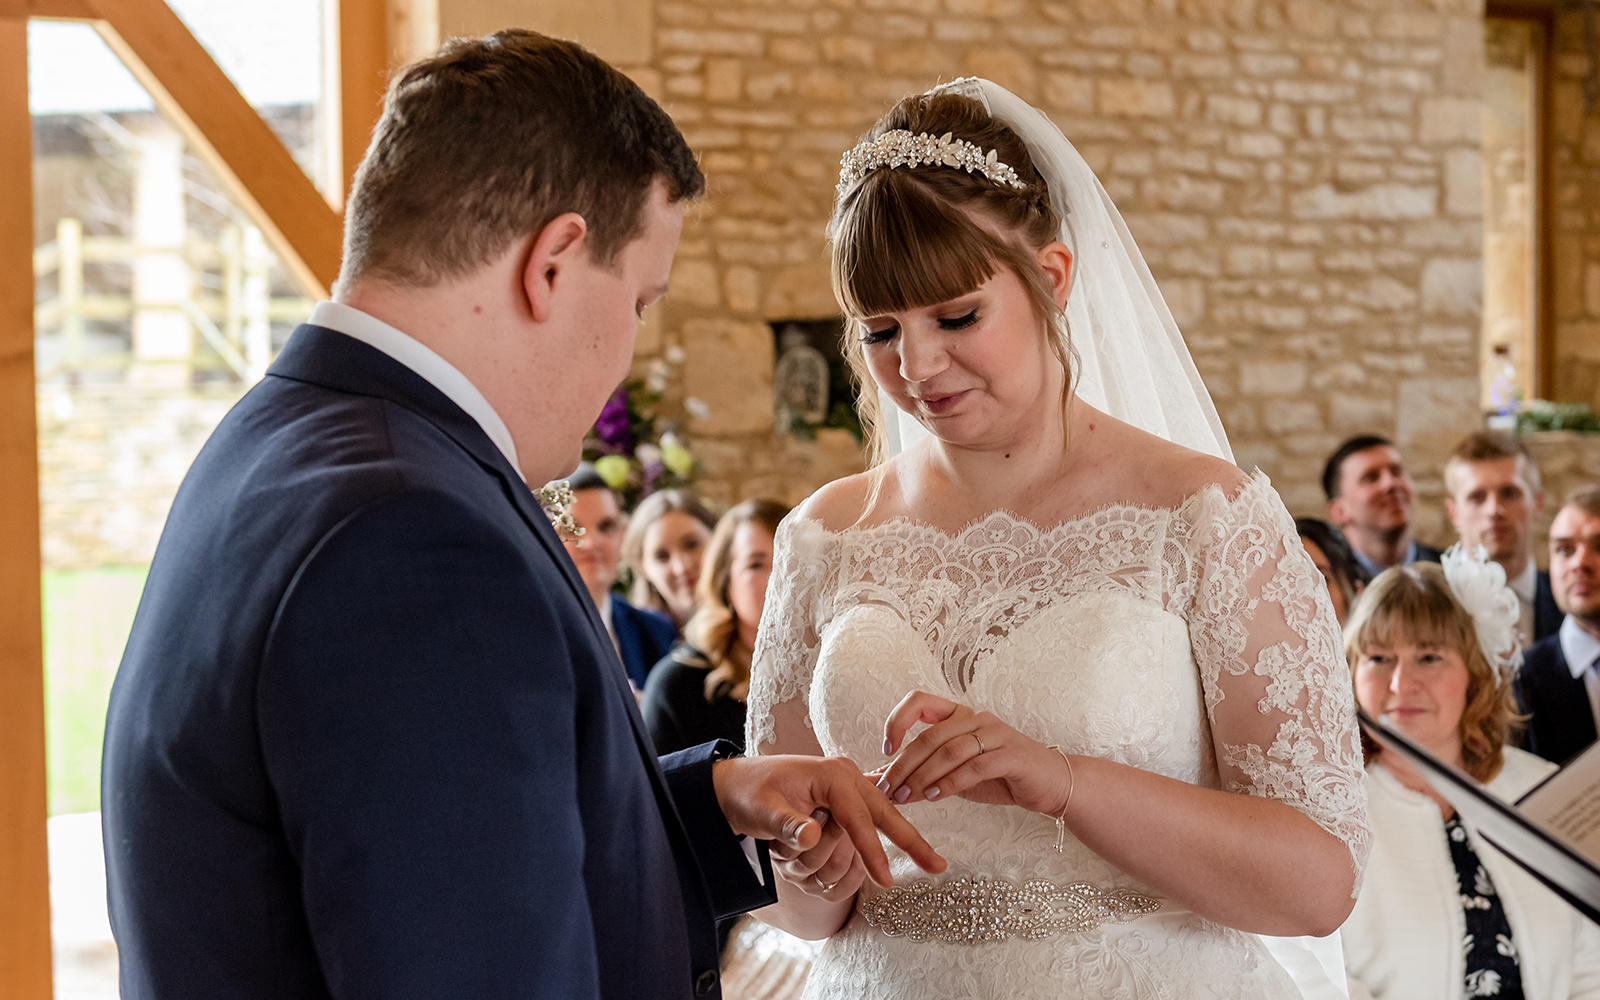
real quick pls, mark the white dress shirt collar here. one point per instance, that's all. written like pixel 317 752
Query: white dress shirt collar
pixel 1525 582
pixel 418 357
pixel 1579 647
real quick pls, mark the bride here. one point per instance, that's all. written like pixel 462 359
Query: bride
pixel 1139 751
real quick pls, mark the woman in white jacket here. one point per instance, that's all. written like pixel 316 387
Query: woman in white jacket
pixel 1442 914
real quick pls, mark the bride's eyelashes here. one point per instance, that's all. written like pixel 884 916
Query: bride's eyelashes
pixel 959 322
pixel 881 336
pixel 887 333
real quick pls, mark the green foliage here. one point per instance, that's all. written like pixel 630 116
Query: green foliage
pixel 1543 415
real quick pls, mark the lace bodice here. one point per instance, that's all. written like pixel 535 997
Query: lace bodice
pixel 1195 641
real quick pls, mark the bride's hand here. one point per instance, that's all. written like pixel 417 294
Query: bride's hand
pixel 970 754
pixel 831 870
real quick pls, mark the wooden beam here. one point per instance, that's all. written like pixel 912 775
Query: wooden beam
pixel 187 84
pixel 72 10
pixel 24 863
pixel 363 74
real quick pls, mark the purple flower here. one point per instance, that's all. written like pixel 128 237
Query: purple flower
pixel 612 426
pixel 652 474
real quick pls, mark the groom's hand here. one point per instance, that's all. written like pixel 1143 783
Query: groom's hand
pixel 773 798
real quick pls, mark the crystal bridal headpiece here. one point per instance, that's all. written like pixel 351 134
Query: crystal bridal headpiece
pixel 900 148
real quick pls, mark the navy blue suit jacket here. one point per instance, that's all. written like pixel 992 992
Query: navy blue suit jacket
pixel 369 737
pixel 643 638
pixel 1547 617
pixel 1561 723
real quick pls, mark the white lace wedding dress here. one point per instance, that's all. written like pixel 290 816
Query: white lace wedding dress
pixel 1196 642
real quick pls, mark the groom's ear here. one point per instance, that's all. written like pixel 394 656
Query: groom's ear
pixel 553 253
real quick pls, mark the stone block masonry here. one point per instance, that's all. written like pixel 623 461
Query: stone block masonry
pixel 1301 175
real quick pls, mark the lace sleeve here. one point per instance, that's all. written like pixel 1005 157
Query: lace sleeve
pixel 778 719
pixel 1272 665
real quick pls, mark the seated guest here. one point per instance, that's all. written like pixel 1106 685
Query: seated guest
pixel 1492 493
pixel 664 545
pixel 1559 684
pixel 697 693
pixel 641 636
pixel 1370 499
pixel 1442 914
pixel 1331 554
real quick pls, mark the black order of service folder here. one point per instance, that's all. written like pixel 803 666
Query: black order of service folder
pixel 1553 831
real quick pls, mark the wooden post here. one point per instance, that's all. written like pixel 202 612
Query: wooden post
pixel 24 863
pixel 69 285
pixel 256 302
pixel 232 281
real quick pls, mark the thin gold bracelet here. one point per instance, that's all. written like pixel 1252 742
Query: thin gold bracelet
pixel 1072 785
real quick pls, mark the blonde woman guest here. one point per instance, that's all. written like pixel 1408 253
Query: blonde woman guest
pixel 697 692
pixel 664 545
pixel 1442 913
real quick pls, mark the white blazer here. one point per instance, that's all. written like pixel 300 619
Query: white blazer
pixel 1403 940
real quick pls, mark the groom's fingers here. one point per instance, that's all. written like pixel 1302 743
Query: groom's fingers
pixel 903 835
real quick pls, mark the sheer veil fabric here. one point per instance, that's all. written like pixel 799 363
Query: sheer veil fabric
pixel 1131 360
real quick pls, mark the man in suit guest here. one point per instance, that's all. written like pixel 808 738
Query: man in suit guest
pixel 369 737
pixel 1370 499
pixel 1492 493
pixel 1559 683
pixel 642 636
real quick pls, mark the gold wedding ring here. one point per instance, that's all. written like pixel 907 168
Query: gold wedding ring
pixel 979 739
pixel 824 886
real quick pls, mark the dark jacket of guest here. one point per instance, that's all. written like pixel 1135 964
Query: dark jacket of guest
pixel 643 638
pixel 675 708
pixel 1547 617
pixel 1561 722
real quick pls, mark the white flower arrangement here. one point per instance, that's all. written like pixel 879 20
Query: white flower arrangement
pixel 1479 586
pixel 556 499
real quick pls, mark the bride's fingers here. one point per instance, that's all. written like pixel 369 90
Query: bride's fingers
pixel 918 706
pixel 942 747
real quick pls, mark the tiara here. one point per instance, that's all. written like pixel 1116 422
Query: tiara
pixel 900 148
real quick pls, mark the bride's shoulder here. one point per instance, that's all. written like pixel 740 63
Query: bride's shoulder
pixel 840 504
pixel 1159 473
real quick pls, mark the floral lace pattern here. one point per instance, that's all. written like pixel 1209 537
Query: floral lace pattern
pixel 1195 642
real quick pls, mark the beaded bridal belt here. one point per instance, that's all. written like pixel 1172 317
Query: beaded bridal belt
pixel 969 910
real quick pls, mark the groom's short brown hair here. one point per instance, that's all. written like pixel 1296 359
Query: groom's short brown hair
pixel 487 140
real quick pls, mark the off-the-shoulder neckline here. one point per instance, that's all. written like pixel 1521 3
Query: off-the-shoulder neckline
pixel 1253 483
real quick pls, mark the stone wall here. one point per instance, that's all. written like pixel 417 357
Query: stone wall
pixel 1302 175
pixel 110 460
pixel 1574 219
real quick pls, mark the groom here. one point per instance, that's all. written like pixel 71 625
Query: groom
pixel 369 737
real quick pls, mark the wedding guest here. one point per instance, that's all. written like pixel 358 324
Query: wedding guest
pixel 664 546
pixel 368 737
pixel 1492 494
pixel 640 635
pixel 1443 914
pixel 1331 554
pixel 1088 647
pixel 697 693
pixel 1559 684
pixel 1370 499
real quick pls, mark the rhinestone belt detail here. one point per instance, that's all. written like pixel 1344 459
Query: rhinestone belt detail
pixel 970 910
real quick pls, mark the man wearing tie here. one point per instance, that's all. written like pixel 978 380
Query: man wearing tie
pixel 1559 683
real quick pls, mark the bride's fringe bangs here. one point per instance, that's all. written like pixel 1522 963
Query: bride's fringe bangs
pixel 896 246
